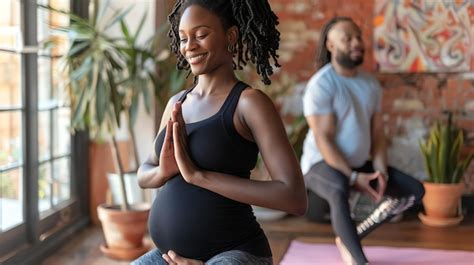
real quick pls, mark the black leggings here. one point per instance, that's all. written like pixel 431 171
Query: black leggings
pixel 333 186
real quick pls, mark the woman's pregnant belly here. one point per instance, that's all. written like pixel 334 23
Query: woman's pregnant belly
pixel 197 223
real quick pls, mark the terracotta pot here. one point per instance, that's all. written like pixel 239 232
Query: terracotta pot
pixel 124 230
pixel 442 200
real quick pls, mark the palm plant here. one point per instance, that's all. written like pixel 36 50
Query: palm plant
pixel 139 76
pixel 441 153
pixel 107 76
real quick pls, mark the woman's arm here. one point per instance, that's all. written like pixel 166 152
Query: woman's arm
pixel 286 190
pixel 150 173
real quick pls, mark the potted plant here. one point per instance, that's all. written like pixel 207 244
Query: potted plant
pixel 107 76
pixel 445 168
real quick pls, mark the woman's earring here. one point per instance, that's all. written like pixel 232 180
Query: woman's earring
pixel 230 48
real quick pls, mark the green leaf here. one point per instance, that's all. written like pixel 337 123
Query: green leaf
pixel 71 15
pixel 113 61
pixel 119 15
pixel 133 110
pixel 103 10
pixel 115 98
pixel 79 109
pixel 434 161
pixel 146 96
pixel 178 79
pixel 101 101
pixel 77 48
pixel 140 26
pixel 79 73
pixel 443 155
pixel 425 155
pixel 463 166
pixel 125 31
pixel 455 151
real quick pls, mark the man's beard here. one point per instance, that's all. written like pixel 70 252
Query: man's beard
pixel 345 60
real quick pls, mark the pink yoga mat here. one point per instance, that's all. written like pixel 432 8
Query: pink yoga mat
pixel 300 253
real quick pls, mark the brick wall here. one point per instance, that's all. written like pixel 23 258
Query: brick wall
pixel 411 101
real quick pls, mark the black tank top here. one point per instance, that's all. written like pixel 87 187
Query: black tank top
pixel 198 223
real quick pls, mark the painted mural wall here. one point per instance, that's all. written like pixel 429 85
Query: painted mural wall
pixel 423 36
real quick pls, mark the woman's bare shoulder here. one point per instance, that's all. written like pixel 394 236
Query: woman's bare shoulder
pixel 253 99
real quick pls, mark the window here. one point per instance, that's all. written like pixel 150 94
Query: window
pixel 10 119
pixel 54 179
pixel 42 180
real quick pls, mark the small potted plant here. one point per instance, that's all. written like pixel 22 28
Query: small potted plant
pixel 445 168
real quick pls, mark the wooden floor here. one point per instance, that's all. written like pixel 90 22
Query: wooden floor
pixel 84 247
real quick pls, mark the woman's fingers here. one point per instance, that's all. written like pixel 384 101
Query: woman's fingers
pixel 178 142
pixel 176 136
pixel 174 113
pixel 177 117
pixel 177 259
pixel 168 259
pixel 180 114
pixel 168 135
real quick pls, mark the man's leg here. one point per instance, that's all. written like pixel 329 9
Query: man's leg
pixel 401 184
pixel 403 192
pixel 333 186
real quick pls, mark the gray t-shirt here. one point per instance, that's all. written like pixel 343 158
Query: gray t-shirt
pixel 353 100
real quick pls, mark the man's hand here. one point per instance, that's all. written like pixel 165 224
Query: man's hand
pixel 373 184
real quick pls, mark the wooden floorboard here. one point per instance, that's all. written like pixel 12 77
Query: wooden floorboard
pixel 83 248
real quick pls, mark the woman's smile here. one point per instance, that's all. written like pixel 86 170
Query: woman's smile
pixel 197 58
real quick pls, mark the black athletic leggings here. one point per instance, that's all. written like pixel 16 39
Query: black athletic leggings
pixel 333 186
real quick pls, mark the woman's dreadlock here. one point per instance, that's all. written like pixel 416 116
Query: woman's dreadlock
pixel 258 37
pixel 324 55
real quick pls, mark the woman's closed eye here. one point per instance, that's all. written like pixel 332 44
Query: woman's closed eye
pixel 201 37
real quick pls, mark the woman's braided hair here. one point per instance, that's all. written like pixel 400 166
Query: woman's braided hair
pixel 258 37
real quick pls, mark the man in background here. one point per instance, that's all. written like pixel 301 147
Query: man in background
pixel 345 146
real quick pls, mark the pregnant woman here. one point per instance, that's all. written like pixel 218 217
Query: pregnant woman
pixel 209 139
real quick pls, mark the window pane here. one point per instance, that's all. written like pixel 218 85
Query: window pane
pixel 44 83
pixel 62 181
pixel 10 86
pixel 62 136
pixel 10 138
pixel 44 135
pixel 58 82
pixel 11 199
pixel 45 187
pixel 10 32
pixel 51 83
pixel 47 20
